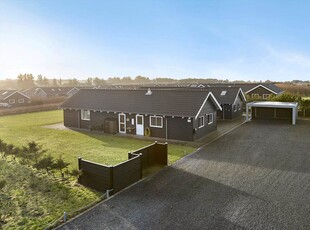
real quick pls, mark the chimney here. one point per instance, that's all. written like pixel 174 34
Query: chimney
pixel 149 92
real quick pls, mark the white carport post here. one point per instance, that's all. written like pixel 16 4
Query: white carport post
pixel 294 115
pixel 247 111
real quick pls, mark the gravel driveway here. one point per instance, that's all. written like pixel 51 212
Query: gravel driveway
pixel 255 177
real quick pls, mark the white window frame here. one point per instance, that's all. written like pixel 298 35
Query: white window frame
pixel 122 123
pixel 11 101
pixel 266 96
pixel 211 115
pixel 21 100
pixel 85 117
pixel 255 95
pixel 203 121
pixel 156 125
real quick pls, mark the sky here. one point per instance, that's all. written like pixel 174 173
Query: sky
pixel 235 40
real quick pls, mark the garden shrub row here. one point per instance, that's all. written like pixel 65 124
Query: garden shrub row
pixel 35 156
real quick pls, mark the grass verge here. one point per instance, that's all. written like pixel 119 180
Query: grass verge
pixel 31 199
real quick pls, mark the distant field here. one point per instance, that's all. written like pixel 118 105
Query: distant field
pixel 105 149
pixel 302 90
pixel 32 199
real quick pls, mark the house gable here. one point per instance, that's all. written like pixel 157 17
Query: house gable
pixel 262 86
pixel 205 106
pixel 14 94
pixel 240 96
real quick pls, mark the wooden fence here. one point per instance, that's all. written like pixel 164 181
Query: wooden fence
pixel 117 177
pixel 154 154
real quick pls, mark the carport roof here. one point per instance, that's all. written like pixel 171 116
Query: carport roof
pixel 273 104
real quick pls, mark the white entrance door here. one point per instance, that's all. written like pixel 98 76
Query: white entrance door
pixel 122 123
pixel 139 125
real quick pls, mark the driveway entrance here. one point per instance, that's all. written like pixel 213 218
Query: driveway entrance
pixel 254 177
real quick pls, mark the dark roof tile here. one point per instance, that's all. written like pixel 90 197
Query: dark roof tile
pixel 160 102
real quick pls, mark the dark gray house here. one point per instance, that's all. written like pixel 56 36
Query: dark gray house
pixel 253 90
pixel 171 114
pixel 231 100
pixel 48 92
pixel 13 98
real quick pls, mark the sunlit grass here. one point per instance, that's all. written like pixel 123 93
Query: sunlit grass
pixel 32 199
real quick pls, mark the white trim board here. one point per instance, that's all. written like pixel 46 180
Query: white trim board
pixel 14 93
pixel 204 102
pixel 260 85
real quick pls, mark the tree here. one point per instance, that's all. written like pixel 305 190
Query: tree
pixel 60 164
pixel 9 150
pixel 73 82
pixel 286 97
pixel 114 80
pixel 3 147
pixel 25 81
pixel 46 163
pixel 33 152
pixel 55 84
pixel 304 105
pixel 140 79
pixel 40 80
pixel 126 80
pixel 60 82
pixel 98 82
pixel 16 152
pixel 89 81
pixel 45 82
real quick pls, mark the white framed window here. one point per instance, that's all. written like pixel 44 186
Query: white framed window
pixel 156 121
pixel 11 101
pixel 21 100
pixel 201 122
pixel 210 118
pixel 255 95
pixel 85 115
pixel 266 96
pixel 238 106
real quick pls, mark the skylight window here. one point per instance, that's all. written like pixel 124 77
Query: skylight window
pixel 223 93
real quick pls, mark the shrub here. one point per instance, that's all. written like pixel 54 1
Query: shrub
pixel 2 184
pixel 33 152
pixel 46 163
pixel 3 147
pixel 60 164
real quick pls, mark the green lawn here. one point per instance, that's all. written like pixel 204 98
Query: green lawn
pixel 102 148
pixel 31 199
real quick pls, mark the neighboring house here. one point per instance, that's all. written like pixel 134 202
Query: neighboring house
pixel 13 98
pixel 231 100
pixel 172 114
pixel 262 91
pixel 48 92
pixel 253 90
